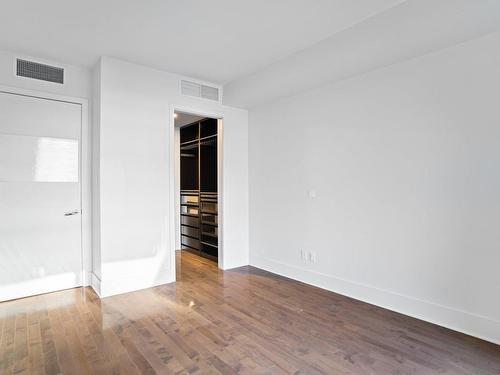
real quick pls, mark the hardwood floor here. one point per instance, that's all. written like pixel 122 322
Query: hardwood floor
pixel 244 321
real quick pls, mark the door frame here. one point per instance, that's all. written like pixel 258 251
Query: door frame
pixel 85 170
pixel 174 207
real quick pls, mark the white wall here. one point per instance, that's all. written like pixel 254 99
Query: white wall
pixel 404 164
pixel 136 219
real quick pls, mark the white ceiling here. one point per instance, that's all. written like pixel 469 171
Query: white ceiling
pixel 411 29
pixel 260 50
pixel 186 118
pixel 213 40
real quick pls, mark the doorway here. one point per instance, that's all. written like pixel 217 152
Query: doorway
pixel 40 195
pixel 198 193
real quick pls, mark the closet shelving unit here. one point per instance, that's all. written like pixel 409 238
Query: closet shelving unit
pixel 199 197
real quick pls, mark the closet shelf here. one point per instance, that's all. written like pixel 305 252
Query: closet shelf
pixel 209 223
pixel 183 214
pixel 208 244
pixel 209 234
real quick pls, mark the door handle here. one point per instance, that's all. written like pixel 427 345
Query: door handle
pixel 71 213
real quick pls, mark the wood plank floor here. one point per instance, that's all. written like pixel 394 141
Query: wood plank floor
pixel 244 321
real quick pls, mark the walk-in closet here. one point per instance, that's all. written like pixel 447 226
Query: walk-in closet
pixel 199 222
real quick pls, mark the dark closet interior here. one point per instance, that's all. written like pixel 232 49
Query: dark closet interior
pixel 198 185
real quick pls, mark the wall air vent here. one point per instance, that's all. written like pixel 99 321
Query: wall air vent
pixel 199 90
pixel 30 69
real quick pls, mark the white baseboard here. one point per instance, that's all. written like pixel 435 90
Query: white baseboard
pixel 119 284
pixel 41 285
pixel 87 278
pixel 471 324
pixel 95 283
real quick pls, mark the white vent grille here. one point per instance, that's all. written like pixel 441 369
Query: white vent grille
pixel 31 69
pixel 190 88
pixel 209 92
pixel 199 90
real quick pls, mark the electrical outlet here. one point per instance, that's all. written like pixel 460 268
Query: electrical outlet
pixel 303 254
pixel 308 256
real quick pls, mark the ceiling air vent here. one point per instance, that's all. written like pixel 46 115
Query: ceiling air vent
pixel 199 90
pixel 39 71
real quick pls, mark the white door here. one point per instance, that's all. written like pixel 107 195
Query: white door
pixel 40 221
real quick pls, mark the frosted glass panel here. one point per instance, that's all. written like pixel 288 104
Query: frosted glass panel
pixel 38 159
